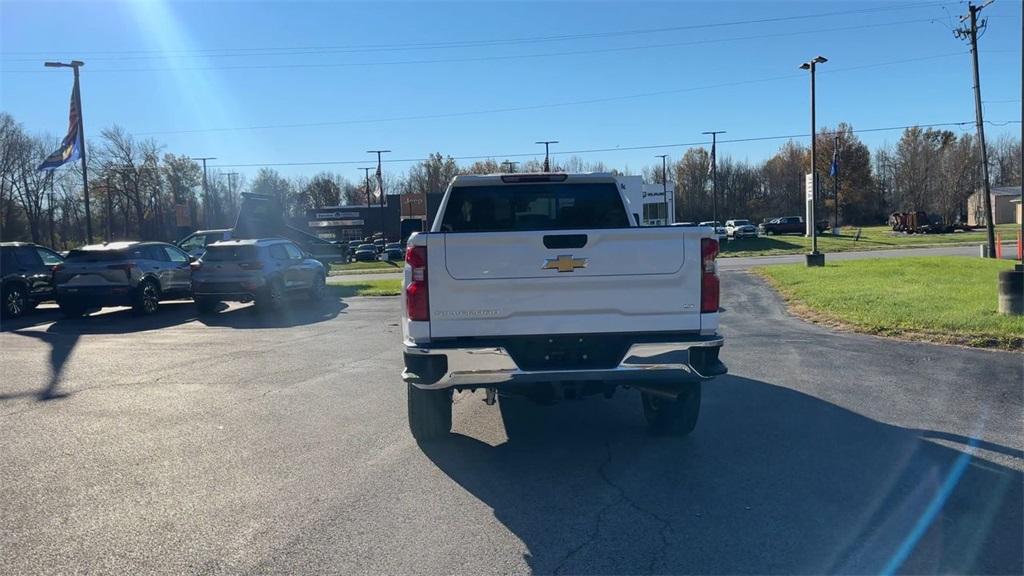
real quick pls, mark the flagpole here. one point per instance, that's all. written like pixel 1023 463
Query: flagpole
pixel 714 176
pixel 81 139
pixel 75 65
pixel 380 186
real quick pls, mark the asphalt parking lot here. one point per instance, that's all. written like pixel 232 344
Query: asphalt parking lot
pixel 238 443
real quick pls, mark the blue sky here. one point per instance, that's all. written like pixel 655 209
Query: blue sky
pixel 632 74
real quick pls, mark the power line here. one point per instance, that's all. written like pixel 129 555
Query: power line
pixel 618 148
pixel 530 107
pixel 470 58
pixel 514 40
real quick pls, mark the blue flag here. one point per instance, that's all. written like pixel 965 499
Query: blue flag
pixel 71 147
pixel 833 171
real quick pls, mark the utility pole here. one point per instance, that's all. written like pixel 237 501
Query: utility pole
pixel 231 181
pixel 664 184
pixel 971 33
pixel 714 174
pixel 547 156
pixel 380 184
pixel 509 166
pixel 75 65
pixel 206 192
pixel 814 258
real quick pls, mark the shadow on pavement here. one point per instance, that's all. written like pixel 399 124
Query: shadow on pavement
pixel 63 334
pixel 296 313
pixel 42 315
pixel 61 346
pixel 772 481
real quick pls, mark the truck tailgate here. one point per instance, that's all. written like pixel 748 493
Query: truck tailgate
pixel 564 282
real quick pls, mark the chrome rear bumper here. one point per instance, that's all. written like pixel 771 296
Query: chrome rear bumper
pixel 439 368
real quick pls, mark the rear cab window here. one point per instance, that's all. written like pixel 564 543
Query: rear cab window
pixel 548 206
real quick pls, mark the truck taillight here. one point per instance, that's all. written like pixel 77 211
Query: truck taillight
pixel 417 297
pixel 708 275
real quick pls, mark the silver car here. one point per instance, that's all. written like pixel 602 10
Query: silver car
pixel 137 274
pixel 267 271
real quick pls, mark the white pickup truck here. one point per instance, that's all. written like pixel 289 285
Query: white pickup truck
pixel 540 285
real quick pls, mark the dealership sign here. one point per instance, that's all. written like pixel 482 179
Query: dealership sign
pixel 326 223
pixel 336 215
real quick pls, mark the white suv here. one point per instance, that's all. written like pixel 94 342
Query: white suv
pixel 740 229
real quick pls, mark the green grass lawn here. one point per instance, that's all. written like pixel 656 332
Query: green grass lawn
pixel 349 288
pixel 375 267
pixel 938 298
pixel 871 238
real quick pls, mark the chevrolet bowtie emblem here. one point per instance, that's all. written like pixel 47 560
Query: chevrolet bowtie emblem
pixel 565 263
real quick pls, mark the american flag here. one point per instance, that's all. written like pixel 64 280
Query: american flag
pixel 71 147
pixel 380 181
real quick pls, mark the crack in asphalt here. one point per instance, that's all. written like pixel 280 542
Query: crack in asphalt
pixel 623 496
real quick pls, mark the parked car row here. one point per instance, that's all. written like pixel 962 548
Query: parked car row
pixel 142 274
pixel 378 249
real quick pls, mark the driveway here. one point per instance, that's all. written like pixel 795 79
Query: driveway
pixel 238 444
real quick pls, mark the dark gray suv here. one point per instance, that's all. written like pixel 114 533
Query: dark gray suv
pixel 137 274
pixel 267 271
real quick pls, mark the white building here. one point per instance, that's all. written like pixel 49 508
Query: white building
pixel 647 202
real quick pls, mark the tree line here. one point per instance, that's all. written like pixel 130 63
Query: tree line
pixel 140 191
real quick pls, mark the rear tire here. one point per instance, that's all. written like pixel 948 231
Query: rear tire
pixel 147 298
pixel 430 413
pixel 207 305
pixel 15 302
pixel 272 298
pixel 319 289
pixel 672 417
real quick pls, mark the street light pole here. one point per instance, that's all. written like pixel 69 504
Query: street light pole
pixel 714 174
pixel 49 205
pixel 664 183
pixel 75 65
pixel 835 178
pixel 547 156
pixel 814 258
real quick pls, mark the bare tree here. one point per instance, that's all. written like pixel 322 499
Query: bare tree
pixel 693 185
